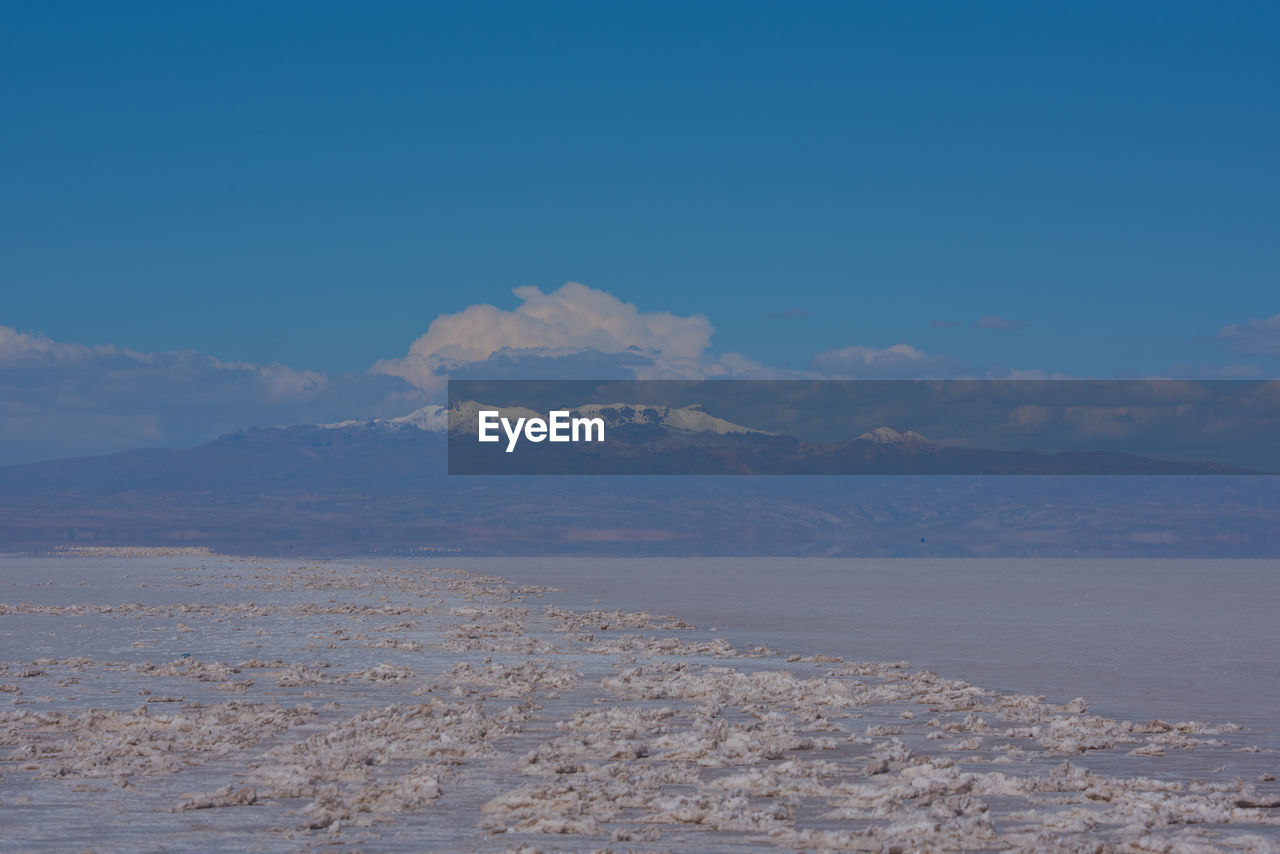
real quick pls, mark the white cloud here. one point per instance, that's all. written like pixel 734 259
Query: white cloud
pixel 27 347
pixel 996 322
pixel 1031 374
pixel 1235 371
pixel 1258 336
pixel 59 398
pixel 578 332
pixel 572 316
pixel 901 361
pixel 277 382
pixel 562 330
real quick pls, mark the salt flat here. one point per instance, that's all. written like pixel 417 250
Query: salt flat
pixel 194 702
pixel 1139 637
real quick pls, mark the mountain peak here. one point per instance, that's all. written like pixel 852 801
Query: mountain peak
pixel 893 436
pixel 431 418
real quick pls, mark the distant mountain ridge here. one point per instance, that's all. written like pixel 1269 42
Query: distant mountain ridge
pixel 412 452
pixel 648 439
pixel 461 414
pixel 431 418
pixel 655 439
pixel 382 484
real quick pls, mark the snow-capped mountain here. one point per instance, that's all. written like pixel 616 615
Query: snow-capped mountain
pixel 463 414
pixel 431 418
pixel 684 419
pixel 892 436
pixel 653 439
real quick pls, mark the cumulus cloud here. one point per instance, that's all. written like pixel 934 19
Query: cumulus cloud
pixel 572 316
pixel 574 331
pixel 59 398
pixel 1258 336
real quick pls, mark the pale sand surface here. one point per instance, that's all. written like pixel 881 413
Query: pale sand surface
pixel 192 702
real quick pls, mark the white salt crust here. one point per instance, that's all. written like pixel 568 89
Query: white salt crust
pixel 385 709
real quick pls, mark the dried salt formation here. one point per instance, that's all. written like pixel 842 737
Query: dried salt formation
pixel 433 709
pixel 139 743
pixel 353 770
pixel 583 622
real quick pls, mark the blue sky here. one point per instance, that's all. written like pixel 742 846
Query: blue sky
pixel 313 184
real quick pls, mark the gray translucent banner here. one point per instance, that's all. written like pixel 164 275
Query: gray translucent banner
pixel 864 427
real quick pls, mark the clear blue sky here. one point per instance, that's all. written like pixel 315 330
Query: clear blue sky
pixel 314 183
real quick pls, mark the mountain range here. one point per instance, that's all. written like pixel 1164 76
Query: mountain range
pixel 646 439
pixel 381 485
